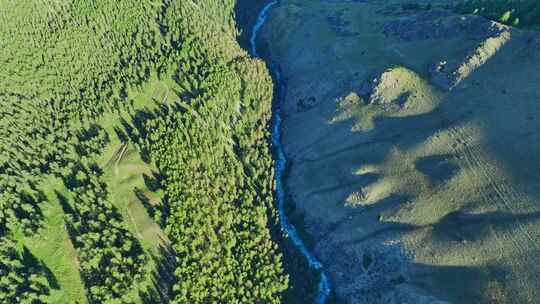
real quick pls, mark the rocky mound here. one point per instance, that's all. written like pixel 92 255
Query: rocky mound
pixel 397 86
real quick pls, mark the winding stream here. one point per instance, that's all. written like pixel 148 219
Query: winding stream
pixel 281 164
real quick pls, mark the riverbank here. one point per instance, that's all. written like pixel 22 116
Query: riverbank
pixel 410 198
pixel 246 13
pixel 307 283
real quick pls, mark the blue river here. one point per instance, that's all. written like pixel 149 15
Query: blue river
pixel 281 165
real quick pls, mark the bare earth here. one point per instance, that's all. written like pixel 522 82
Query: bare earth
pixel 414 144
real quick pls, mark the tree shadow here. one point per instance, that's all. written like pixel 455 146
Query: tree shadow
pixel 163 278
pixel 122 136
pixel 152 182
pixel 144 199
pixel 37 265
pixel 155 211
pixel 69 212
pixel 64 202
pixel 136 131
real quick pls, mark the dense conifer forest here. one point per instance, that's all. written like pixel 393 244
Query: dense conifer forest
pixel 86 84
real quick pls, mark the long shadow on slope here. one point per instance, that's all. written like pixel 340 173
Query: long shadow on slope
pixel 453 227
pixel 381 271
pixel 404 132
pixel 474 283
pixel 369 213
pixel 462 226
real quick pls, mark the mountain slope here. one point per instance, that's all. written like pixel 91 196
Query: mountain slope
pixel 412 137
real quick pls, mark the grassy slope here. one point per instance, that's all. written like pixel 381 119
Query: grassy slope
pixel 52 244
pixel 47 67
pixel 124 170
pixel 451 174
